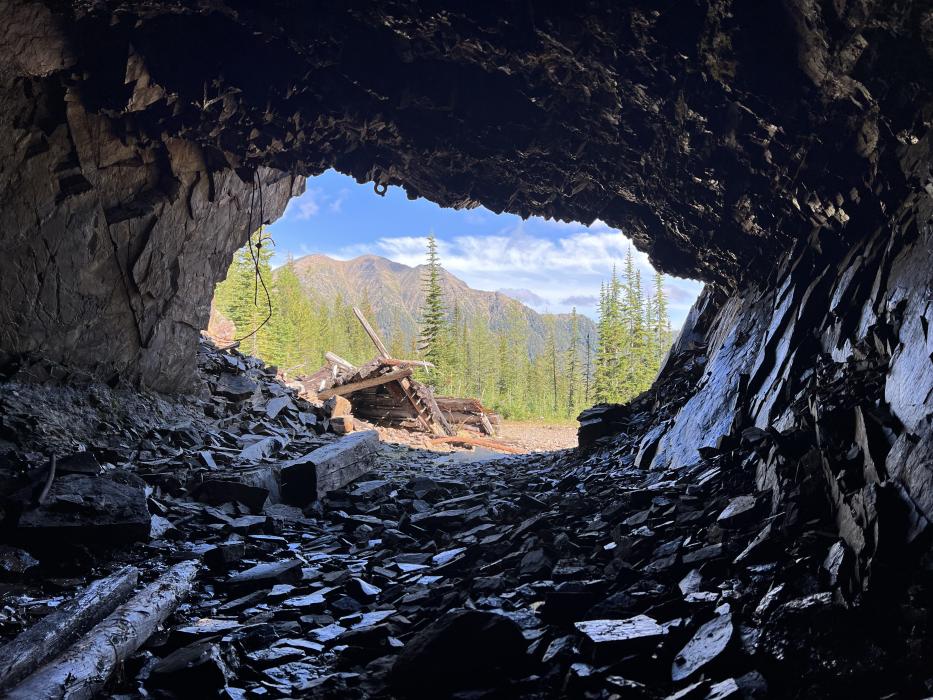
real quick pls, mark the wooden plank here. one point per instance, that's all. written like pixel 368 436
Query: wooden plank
pixel 478 442
pixel 392 362
pixel 335 359
pixel 417 404
pixel 486 425
pixel 327 468
pixel 371 333
pixel 83 670
pixel 54 632
pixel 345 389
pixel 427 395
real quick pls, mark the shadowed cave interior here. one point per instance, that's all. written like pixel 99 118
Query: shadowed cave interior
pixel 177 523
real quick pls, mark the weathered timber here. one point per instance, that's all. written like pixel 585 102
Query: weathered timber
pixel 55 631
pixel 486 424
pixel 346 389
pixel 392 362
pixel 372 334
pixel 310 477
pixel 478 442
pixel 335 359
pixel 426 394
pixel 84 668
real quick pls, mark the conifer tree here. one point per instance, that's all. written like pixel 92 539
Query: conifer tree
pixel 573 350
pixel 662 325
pixel 433 314
pixel 551 358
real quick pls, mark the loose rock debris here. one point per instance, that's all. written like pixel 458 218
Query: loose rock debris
pixel 566 574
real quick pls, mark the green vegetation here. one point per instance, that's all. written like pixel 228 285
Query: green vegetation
pixel 470 358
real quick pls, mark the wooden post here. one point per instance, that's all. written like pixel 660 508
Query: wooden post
pixel 372 334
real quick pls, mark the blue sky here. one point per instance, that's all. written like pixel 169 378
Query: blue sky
pixel 550 265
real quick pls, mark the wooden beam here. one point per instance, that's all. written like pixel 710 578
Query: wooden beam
pixel 335 359
pixel 371 333
pixel 346 389
pixel 333 466
pixel 479 442
pixel 392 362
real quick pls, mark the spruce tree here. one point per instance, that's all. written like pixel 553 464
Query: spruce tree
pixel 573 351
pixel 550 355
pixel 433 314
pixel 662 325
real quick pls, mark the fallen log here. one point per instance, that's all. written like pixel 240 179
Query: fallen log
pixel 53 633
pixel 477 442
pixel 84 668
pixel 345 389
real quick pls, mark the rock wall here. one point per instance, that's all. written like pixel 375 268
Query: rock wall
pixel 112 240
pixel 838 354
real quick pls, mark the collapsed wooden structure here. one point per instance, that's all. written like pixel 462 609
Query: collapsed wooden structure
pixel 384 391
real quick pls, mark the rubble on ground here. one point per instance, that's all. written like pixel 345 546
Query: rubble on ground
pixel 565 574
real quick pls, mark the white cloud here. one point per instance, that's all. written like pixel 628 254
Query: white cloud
pixel 313 201
pixel 336 205
pixel 559 271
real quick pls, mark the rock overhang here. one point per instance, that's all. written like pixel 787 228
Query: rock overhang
pixel 718 137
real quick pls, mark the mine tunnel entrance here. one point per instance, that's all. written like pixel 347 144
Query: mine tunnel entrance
pixel 176 520
pixel 516 325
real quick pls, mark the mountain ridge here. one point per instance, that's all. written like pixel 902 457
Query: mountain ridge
pixel 395 293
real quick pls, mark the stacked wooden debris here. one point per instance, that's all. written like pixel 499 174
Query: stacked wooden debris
pixel 383 391
pixel 469 414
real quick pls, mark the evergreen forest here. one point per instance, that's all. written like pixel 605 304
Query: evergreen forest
pixel 278 320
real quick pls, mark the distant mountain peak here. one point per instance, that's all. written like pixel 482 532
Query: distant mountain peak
pixel 395 292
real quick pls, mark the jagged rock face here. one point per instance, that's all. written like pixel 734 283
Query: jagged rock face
pixel 112 239
pixel 836 357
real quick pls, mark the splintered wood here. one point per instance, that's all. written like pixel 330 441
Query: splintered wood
pixel 385 392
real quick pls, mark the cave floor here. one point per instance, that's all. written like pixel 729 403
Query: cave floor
pixel 435 577
pixel 563 574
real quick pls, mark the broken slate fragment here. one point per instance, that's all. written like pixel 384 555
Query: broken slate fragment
pixel 216 492
pixel 741 511
pixel 275 406
pixel 267 575
pixel 461 650
pixel 235 386
pixel 15 561
pixel 609 637
pixel 197 670
pixel 708 643
pixel 363 591
pixel 88 509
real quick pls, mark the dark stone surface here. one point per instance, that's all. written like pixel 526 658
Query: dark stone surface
pixel 464 649
pixel 88 510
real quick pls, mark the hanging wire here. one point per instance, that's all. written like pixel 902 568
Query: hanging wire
pixel 256 257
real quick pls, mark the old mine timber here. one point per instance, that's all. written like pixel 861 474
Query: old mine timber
pixel 83 669
pixel 757 524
